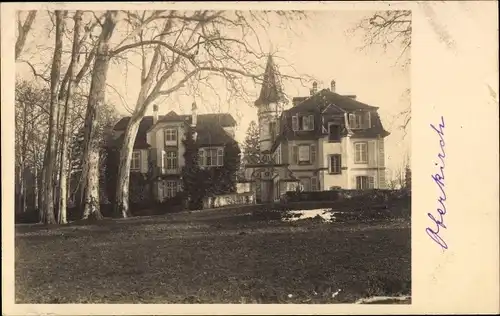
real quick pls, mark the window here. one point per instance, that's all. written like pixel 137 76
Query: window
pixel 135 164
pixel 304 154
pixel 308 123
pixel 335 166
pixel 306 184
pixel 334 132
pixel 356 120
pixel 277 155
pixel 171 160
pixel 212 157
pixel 272 130
pixel 361 152
pixel 170 135
pixel 170 189
pixel 364 182
pixel 303 122
pixel 314 184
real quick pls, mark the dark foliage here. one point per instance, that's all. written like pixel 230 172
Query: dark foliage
pixel 199 183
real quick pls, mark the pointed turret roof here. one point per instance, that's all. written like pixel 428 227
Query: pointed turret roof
pixel 271 87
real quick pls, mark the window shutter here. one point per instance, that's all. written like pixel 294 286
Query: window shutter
pixel 220 157
pixel 313 153
pixel 372 157
pixel 381 158
pixel 295 123
pixel 368 123
pixel 357 152
pixel 371 182
pixel 352 119
pixel 295 154
pixel 311 122
pixel 314 184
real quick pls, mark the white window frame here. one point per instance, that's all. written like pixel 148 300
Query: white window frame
pixel 170 135
pixel 335 168
pixel 356 120
pixel 278 156
pixel 215 154
pixel 135 162
pixel 364 185
pixel 171 158
pixel 303 122
pixel 170 188
pixel 361 157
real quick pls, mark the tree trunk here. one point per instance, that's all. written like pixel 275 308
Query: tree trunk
pixel 92 207
pixel 35 190
pixel 23 32
pixel 123 181
pixel 49 166
pixel 42 211
pixel 90 172
pixel 64 165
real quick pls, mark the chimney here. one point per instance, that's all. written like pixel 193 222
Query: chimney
pixel 194 114
pixel 314 88
pixel 194 119
pixel 155 113
pixel 332 86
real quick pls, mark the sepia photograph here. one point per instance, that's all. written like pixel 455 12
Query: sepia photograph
pixel 211 156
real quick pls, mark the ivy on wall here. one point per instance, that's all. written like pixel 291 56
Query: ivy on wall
pixel 199 183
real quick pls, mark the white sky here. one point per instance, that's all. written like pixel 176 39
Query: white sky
pixel 319 47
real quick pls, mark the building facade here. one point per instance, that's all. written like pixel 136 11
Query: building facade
pixel 324 141
pixel 159 149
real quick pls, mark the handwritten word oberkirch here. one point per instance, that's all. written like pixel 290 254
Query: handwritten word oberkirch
pixel 438 178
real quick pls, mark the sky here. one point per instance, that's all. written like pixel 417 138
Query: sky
pixel 320 46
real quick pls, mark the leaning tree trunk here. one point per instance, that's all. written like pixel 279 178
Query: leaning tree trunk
pixel 122 207
pixel 64 165
pixel 49 217
pixel 90 172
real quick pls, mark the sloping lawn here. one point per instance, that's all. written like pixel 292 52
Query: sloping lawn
pixel 203 258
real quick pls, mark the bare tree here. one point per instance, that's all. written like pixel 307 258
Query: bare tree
pixel 49 217
pixel 190 49
pixel 64 165
pixel 23 30
pixel 390 29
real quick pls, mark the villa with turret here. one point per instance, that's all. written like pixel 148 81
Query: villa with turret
pixel 324 141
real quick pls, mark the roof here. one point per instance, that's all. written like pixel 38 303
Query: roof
pixel 326 97
pixel 222 119
pixel 327 104
pixel 270 91
pixel 209 127
pixel 212 135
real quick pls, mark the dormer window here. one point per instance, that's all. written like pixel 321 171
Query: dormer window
pixel 211 157
pixel 303 122
pixel 359 120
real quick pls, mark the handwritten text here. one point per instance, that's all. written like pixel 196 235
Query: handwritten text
pixel 438 179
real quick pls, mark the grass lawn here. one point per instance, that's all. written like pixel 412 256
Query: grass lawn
pixel 211 257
